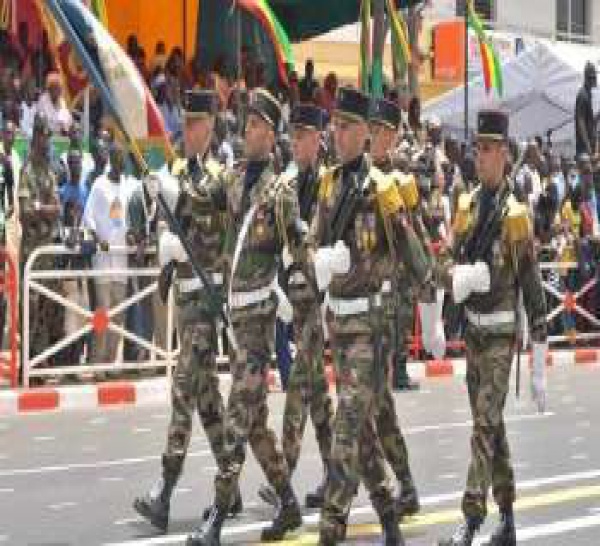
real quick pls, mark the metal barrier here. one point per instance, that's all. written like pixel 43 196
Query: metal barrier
pixel 98 321
pixel 8 287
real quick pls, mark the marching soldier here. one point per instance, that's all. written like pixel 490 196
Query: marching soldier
pixel 494 260
pixel 359 224
pixel 195 383
pixel 398 306
pixel 308 388
pixel 263 218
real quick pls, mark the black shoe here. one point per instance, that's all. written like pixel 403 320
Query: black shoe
pixel 236 508
pixel 153 509
pixel 505 534
pixel 407 385
pixel 209 532
pixel 391 534
pixel 316 498
pixel 268 495
pixel 407 503
pixel 287 518
pixel 463 536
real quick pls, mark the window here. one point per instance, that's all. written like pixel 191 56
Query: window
pixel 572 18
pixel 485 8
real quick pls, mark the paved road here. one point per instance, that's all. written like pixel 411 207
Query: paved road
pixel 70 477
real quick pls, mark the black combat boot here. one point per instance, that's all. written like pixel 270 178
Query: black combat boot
pixel 407 502
pixel 236 508
pixel 268 495
pixel 314 499
pixel 391 534
pixel 505 534
pixel 209 532
pixel 154 506
pixel 287 518
pixel 463 535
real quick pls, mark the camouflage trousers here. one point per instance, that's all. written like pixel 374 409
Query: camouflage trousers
pixel 356 452
pixel 195 386
pixel 307 389
pixel 246 418
pixel 489 359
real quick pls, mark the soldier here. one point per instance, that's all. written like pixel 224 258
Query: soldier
pixel 398 306
pixel 195 383
pixel 308 388
pixel 39 210
pixel 263 219
pixel 494 253
pixel 359 224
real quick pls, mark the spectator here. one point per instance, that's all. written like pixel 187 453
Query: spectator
pixel 328 96
pixel 170 107
pixel 28 109
pixel 10 162
pixel 76 143
pixel 104 216
pixel 585 123
pixel 53 107
pixel 308 85
pixel 414 118
pixel 160 59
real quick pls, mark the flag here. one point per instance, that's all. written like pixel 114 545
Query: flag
pixel 98 8
pixel 490 62
pixel 261 10
pixel 365 46
pixel 112 72
pixel 8 15
pixel 400 42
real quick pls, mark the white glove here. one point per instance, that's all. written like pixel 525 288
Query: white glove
pixel 286 258
pixel 538 375
pixel 170 249
pixel 153 183
pixel 432 326
pixel 330 261
pixel 285 311
pixel 470 278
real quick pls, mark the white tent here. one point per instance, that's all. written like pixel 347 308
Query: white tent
pixel 540 87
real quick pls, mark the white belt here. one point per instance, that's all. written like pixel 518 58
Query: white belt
pixel 344 308
pixel 195 283
pixel 245 299
pixel 297 278
pixel 490 319
pixel 386 287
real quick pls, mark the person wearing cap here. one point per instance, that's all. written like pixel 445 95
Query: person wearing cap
pixel 493 260
pixel 359 224
pixel 39 210
pixel 307 390
pixel 398 303
pixel 263 218
pixel 195 384
pixel 53 106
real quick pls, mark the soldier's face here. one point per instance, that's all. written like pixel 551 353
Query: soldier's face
pixel 197 135
pixel 491 161
pixel 305 146
pixel 259 138
pixel 383 141
pixel 350 138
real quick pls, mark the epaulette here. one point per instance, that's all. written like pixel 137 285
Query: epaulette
pixel 409 191
pixel 386 189
pixel 326 183
pixel 517 222
pixel 213 167
pixel 179 166
pixel 463 216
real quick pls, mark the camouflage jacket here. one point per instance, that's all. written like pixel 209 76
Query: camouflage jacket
pixel 38 187
pixel 374 237
pixel 513 264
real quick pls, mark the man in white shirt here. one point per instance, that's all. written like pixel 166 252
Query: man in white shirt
pixel 53 107
pixel 105 217
pixel 29 109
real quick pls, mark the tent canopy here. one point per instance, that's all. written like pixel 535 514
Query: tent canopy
pixel 540 86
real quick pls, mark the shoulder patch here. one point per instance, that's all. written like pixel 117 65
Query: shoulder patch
pixel 326 183
pixel 179 166
pixel 407 184
pixel 517 222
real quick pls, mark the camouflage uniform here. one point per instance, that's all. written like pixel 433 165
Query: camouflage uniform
pixel 356 325
pixel 308 388
pixel 38 185
pixel 489 337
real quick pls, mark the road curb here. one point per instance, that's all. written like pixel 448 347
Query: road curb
pixel 156 390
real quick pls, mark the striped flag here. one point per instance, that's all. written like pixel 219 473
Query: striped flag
pixel 112 72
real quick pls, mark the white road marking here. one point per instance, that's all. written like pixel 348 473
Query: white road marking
pixel 580 457
pixel 44 438
pixel 7 490
pixel 141 430
pixel 128 521
pixel 182 490
pixel 580 409
pixel 61 505
pixel 92 465
pixel 576 440
pixel 550 529
pixel 111 479
pixel 583 424
pixel 445 441
pixel 312 519
pixel 210 469
pixel 98 421
pixel 594 510
pixel 450 476
pixel 159 416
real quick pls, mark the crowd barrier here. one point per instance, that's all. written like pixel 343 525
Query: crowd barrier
pixel 8 289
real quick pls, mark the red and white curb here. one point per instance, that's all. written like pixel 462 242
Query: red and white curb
pixel 156 390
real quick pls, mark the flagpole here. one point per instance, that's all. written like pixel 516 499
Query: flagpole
pixel 466 74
